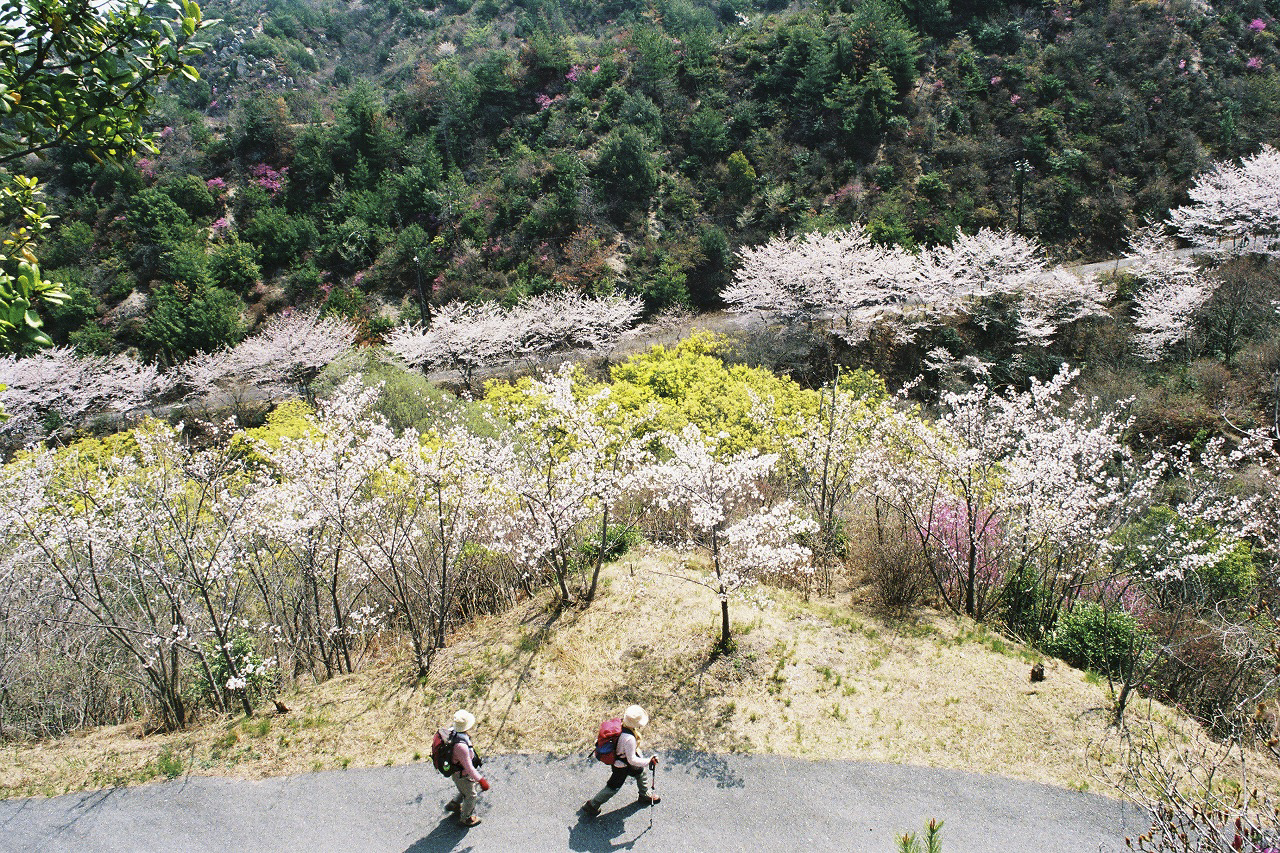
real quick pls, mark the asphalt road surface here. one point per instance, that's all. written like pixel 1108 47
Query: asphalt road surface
pixel 710 803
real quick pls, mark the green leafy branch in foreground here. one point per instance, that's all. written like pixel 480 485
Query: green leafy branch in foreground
pixel 73 75
pixel 20 325
pixel 84 76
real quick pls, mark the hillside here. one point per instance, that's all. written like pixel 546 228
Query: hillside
pixel 811 679
pixel 386 158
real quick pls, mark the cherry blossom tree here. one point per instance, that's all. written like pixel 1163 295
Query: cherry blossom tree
pixel 987 263
pixel 314 506
pixel 293 347
pixel 420 519
pixel 466 337
pixel 1235 208
pixel 720 496
pixel 22 601
pixel 825 455
pixel 60 385
pixel 1175 291
pixel 1203 645
pixel 957 279
pixel 841 276
pixel 1258 513
pixel 289 351
pixel 845 280
pixel 142 548
pixel 462 337
pixel 1055 300
pixel 558 322
pixel 969 368
pixel 574 456
pixel 1011 483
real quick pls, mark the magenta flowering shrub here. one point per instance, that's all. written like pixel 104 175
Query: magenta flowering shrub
pixel 965 547
pixel 545 101
pixel 1121 591
pixel 575 72
pixel 268 178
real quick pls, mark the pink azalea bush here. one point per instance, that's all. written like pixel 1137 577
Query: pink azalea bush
pixel 950 537
pixel 268 178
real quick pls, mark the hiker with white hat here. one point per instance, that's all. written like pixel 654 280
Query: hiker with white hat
pixel 627 762
pixel 466 774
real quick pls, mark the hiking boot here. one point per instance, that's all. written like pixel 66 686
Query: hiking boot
pixel 469 822
pixel 649 801
pixel 591 809
pixel 452 806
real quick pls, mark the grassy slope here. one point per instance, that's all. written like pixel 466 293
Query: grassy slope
pixel 814 679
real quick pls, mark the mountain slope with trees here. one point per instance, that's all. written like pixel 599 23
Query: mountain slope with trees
pixel 387 158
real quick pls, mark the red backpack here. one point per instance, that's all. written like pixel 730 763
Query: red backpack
pixel 607 741
pixel 442 751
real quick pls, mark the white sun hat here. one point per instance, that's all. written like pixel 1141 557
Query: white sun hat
pixel 635 718
pixel 463 721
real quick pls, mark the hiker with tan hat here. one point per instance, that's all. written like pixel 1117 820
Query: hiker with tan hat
pixel 465 764
pixel 618 745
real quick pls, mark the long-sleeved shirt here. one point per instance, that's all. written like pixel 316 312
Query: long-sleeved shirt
pixel 628 752
pixel 462 755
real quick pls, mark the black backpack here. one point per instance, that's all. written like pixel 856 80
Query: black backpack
pixel 442 751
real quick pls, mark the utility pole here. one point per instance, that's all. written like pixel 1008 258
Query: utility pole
pixel 424 305
pixel 1020 169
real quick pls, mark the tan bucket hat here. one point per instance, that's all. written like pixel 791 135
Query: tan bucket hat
pixel 635 718
pixel 463 721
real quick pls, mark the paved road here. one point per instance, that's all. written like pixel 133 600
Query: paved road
pixel 710 803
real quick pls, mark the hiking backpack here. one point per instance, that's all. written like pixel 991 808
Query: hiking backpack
pixel 442 750
pixel 607 741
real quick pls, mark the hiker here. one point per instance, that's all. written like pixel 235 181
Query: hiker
pixel 627 761
pixel 466 774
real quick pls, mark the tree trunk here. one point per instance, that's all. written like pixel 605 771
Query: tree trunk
pixel 724 595
pixel 724 621
pixel 970 598
pixel 340 638
pixel 560 564
pixel 316 631
pixel 1121 701
pixel 442 621
pixel 604 539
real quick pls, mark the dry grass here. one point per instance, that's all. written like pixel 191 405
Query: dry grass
pixel 813 679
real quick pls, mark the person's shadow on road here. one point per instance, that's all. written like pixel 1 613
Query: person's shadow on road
pixel 595 835
pixel 445 837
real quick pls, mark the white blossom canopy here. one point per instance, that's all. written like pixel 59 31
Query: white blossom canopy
pixel 844 278
pixel 74 387
pixel 465 336
pixel 1235 209
pixel 291 348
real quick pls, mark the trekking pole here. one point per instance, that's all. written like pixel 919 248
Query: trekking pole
pixel 653 789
